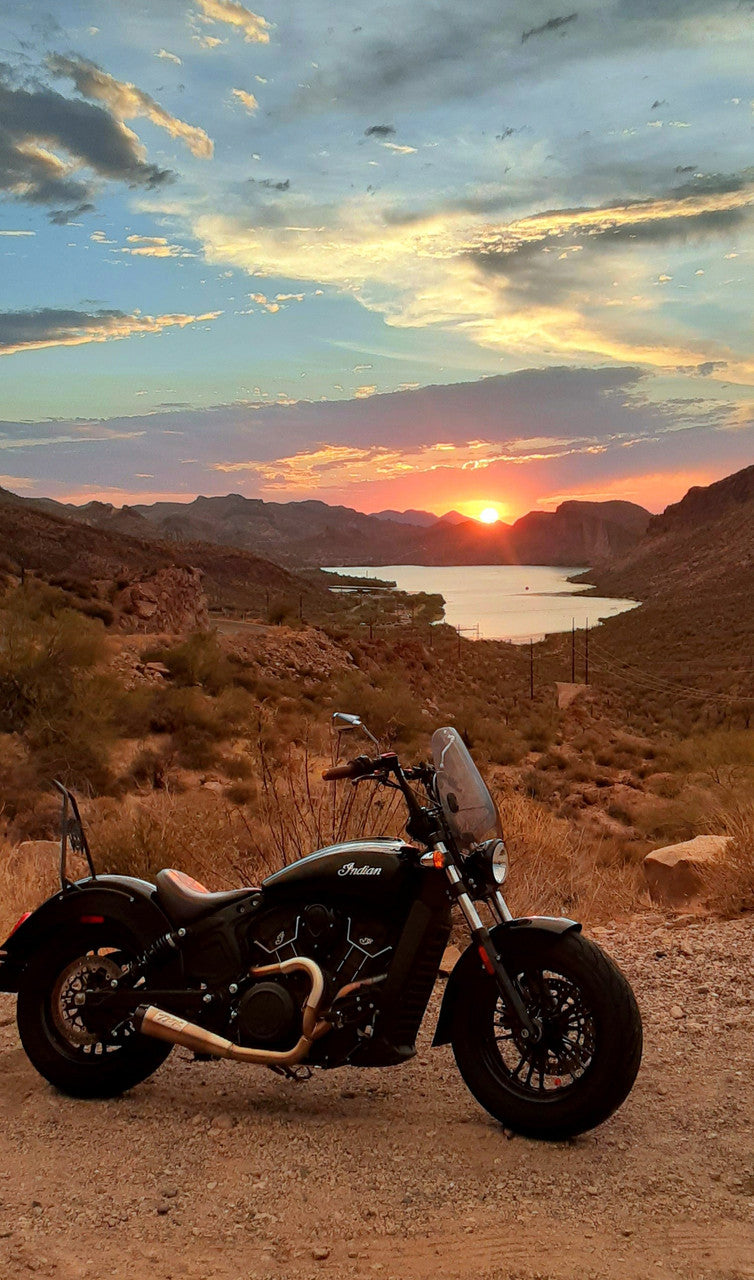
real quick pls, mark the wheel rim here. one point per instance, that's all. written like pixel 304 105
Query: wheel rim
pixel 563 1055
pixel 67 1018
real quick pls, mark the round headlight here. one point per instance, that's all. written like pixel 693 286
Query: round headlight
pixel 499 861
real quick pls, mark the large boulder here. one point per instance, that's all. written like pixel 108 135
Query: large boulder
pixel 677 875
pixel 170 600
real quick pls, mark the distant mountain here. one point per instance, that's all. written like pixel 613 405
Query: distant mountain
pixel 453 517
pixel 311 533
pixel 421 518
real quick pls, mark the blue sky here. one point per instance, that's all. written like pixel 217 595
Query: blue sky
pixel 387 255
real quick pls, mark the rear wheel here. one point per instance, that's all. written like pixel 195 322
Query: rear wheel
pixel 584 1064
pixel 83 1056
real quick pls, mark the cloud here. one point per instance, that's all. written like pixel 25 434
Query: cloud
pixel 363 393
pixel 207 42
pixel 400 150
pixel 36 123
pixel 552 24
pixel 262 301
pixel 255 29
pixel 126 102
pixel 154 247
pixel 48 327
pixel 248 99
pixel 554 431
pixel 379 131
pixel 18 233
pixel 169 57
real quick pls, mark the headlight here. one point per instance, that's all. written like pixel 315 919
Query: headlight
pixel 499 861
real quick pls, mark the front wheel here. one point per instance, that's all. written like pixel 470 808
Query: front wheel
pixel 80 1055
pixel 585 1062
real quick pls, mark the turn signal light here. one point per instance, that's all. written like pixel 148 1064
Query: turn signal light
pixel 485 959
pixel 91 919
pixel 438 859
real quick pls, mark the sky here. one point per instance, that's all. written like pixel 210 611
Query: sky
pixel 386 255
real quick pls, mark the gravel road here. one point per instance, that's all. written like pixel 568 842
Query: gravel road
pixel 217 1170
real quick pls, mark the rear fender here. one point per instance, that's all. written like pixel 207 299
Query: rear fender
pixel 119 899
pixel 468 968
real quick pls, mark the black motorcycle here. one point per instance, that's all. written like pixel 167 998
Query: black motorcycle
pixel 331 962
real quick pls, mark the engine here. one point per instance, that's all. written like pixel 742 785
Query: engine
pixel 267 1011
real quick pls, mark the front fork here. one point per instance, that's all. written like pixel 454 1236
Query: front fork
pixel 528 1028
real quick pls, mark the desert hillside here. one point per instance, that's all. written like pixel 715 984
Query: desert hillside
pixel 694 634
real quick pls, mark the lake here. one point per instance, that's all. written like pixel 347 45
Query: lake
pixel 507 601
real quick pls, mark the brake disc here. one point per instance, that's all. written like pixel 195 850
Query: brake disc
pixel 80 975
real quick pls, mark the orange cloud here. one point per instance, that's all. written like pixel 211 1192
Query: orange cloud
pixel 255 29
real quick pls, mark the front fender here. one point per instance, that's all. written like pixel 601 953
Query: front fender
pixel 469 965
pixel 122 899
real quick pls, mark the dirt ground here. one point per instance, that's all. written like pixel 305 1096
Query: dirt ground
pixel 217 1170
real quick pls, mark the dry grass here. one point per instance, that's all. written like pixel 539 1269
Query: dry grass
pixel 27 877
pixel 558 869
pixel 731 881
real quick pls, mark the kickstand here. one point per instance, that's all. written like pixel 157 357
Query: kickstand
pixel 299 1074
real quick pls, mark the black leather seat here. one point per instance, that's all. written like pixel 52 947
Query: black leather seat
pixel 184 899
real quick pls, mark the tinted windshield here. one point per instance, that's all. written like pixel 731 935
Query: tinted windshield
pixel 469 809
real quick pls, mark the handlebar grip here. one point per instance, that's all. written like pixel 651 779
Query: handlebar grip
pixel 357 768
pixel 339 771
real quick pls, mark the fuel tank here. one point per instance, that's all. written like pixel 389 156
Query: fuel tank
pixel 371 869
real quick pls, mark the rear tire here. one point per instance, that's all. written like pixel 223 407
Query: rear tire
pixel 586 1063
pixel 54 1034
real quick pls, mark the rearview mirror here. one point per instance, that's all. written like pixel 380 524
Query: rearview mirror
pixel 343 721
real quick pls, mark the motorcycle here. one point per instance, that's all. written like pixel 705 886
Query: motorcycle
pixel 331 962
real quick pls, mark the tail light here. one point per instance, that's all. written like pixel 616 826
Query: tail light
pixel 21 920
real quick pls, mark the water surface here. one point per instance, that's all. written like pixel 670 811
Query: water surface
pixel 506 602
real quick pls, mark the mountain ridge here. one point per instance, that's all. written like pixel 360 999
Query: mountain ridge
pixel 312 533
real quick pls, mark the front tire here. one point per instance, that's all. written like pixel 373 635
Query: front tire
pixel 63 1047
pixel 585 1064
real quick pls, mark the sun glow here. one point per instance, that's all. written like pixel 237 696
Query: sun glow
pixel 490 515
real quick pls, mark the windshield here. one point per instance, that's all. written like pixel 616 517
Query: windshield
pixel 469 809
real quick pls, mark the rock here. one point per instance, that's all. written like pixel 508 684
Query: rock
pixel 450 958
pixel 676 1011
pixel 320 1252
pixel 170 600
pixel 223 1121
pixel 676 874
pixel 567 693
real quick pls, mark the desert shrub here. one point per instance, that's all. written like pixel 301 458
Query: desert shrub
pixel 389 708
pixel 538 731
pixel 238 767
pixel 538 786
pixel 149 768
pixel 51 691
pixel 199 660
pixel 240 793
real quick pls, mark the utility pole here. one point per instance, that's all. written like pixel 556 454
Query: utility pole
pixel 531 668
pixel 573 650
pixel 458 655
pixel 301 608
pixel 586 653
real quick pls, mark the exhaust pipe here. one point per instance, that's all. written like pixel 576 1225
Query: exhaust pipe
pixel 162 1025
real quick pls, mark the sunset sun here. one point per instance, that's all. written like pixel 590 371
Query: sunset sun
pixel 490 515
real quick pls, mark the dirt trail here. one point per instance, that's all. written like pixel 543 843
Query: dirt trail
pixel 214 1170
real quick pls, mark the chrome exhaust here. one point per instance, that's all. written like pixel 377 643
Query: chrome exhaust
pixel 162 1025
